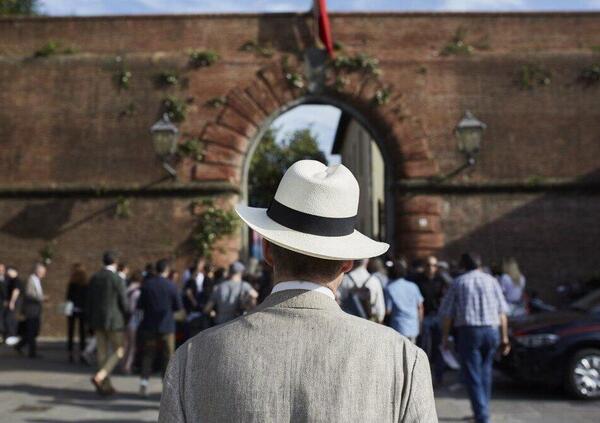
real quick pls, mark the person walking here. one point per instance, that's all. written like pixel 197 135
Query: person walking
pixel 193 285
pixel 158 300
pixel 32 310
pixel 404 302
pixel 361 294
pixel 232 297
pixel 432 287
pixel 298 356
pixel 512 283
pixel 107 313
pixel 377 267
pixel 133 295
pixel 475 306
pixel 3 301
pixel 14 295
pixel 77 298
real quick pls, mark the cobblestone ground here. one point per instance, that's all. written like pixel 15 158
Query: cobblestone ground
pixel 50 390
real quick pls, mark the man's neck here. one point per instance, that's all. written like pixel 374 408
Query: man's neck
pixel 333 285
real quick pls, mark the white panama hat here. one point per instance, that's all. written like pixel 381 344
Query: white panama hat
pixel 314 212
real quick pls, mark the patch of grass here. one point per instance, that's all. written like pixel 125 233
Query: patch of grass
pixel 203 58
pixel 167 78
pixel 382 96
pixel 52 48
pixel 192 148
pixel 48 49
pixel 258 49
pixel 590 75
pixel 358 62
pixel 529 76
pixel 458 45
pixel 123 79
pixel 216 102
pixel 175 108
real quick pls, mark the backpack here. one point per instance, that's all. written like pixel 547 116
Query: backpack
pixel 358 302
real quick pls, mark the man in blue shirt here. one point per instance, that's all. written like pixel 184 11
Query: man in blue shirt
pixel 404 303
pixel 158 301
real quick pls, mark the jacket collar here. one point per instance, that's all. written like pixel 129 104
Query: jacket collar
pixel 299 298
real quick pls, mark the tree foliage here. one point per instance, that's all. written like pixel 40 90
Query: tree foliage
pixel 19 7
pixel 271 159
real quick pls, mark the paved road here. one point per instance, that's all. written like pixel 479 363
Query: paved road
pixel 50 390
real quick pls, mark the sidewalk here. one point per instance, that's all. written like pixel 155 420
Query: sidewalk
pixel 50 390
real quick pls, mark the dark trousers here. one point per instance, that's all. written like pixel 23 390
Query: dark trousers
pixel 31 329
pixel 10 323
pixel 71 320
pixel 477 346
pixel 151 342
pixel 430 340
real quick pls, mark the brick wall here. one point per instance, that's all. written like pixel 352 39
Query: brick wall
pixel 71 141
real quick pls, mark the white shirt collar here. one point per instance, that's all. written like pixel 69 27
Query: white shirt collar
pixel 304 285
pixel 112 268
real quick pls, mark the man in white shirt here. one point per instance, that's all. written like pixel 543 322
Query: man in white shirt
pixel 32 309
pixel 360 277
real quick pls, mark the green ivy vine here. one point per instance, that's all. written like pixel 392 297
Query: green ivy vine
pixel 203 58
pixel 216 102
pixel 192 148
pixel 167 78
pixel 257 49
pixel 458 45
pixel 590 75
pixel 53 47
pixel 529 76
pixel 175 107
pixel 212 224
pixel 123 208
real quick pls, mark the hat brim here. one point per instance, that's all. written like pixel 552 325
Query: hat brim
pixel 348 247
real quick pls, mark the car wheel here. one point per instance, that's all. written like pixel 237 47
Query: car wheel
pixel 583 374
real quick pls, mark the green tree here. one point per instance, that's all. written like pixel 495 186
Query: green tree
pixel 271 160
pixel 19 7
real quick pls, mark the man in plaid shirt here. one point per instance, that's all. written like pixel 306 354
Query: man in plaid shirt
pixel 475 305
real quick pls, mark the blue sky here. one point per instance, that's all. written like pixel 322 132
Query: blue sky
pixel 107 7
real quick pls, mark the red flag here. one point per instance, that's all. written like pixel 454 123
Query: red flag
pixel 324 26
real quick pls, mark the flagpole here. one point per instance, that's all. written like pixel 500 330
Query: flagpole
pixel 316 12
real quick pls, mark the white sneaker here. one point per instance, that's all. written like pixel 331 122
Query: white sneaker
pixel 144 388
pixel 11 341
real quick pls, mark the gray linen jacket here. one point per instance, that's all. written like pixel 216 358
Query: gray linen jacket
pixel 298 358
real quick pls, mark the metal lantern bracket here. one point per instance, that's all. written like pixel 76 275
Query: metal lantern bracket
pixel 469 132
pixel 164 138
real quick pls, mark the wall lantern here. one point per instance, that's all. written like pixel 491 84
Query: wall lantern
pixel 469 132
pixel 164 139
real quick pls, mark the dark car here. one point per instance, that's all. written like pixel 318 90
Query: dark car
pixel 558 348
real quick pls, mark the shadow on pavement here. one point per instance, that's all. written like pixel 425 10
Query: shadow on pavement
pixel 504 389
pixel 89 421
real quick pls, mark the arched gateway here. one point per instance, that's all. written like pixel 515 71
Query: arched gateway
pixel 412 222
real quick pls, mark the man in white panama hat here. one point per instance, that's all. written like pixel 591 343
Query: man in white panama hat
pixel 298 357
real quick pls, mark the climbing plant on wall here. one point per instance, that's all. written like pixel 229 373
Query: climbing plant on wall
pixel 212 224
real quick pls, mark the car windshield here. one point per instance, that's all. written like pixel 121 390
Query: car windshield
pixel 588 302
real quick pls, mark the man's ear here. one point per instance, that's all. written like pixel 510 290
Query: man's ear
pixel 347 266
pixel 266 249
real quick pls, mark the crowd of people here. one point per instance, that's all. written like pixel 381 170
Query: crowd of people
pixel 128 317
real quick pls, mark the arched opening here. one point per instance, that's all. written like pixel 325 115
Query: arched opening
pixel 327 130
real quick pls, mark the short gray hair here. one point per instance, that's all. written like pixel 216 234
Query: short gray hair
pixel 301 266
